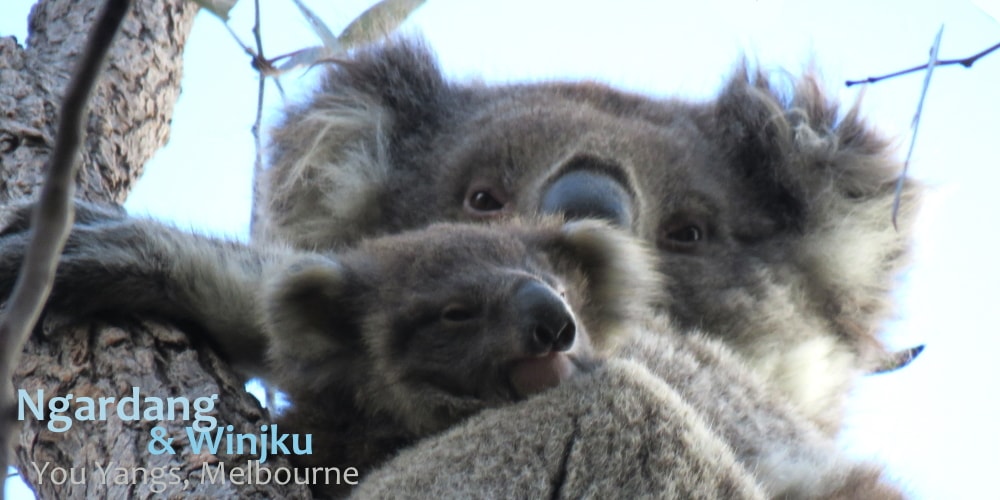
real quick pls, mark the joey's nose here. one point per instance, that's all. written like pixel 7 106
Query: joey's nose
pixel 547 322
pixel 584 194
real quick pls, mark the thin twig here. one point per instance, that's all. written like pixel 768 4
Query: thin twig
pixel 967 62
pixel 932 63
pixel 258 162
pixel 239 42
pixel 53 214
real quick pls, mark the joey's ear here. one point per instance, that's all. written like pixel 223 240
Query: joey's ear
pixel 332 157
pixel 311 317
pixel 622 280
pixel 830 178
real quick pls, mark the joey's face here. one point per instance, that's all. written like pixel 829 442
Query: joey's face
pixel 506 335
pixel 427 327
pixel 478 319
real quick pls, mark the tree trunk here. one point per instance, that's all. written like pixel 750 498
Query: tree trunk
pixel 128 121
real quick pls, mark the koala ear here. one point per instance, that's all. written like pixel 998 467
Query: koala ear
pixel 621 277
pixel 310 312
pixel 793 135
pixel 332 156
pixel 830 180
pixel 756 138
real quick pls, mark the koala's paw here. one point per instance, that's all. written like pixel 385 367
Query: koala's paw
pixel 15 221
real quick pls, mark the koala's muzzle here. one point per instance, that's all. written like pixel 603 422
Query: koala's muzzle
pixel 585 194
pixel 548 331
pixel 547 323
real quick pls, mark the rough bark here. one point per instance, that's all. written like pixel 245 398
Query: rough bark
pixel 129 120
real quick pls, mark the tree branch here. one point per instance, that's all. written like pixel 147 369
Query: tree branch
pixel 966 62
pixel 53 214
pixel 129 119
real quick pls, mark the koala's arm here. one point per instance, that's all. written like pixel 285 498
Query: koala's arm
pixel 123 265
pixel 647 426
pixel 615 433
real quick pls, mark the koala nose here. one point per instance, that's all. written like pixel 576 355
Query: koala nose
pixel 584 194
pixel 548 324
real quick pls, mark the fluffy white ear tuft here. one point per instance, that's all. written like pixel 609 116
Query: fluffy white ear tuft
pixel 622 277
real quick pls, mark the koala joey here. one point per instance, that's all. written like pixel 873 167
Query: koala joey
pixel 407 334
pixel 769 208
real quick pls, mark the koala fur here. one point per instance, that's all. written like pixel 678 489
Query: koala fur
pixel 770 209
pixel 630 430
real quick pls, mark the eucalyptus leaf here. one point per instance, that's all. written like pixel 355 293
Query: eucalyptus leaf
pixel 220 8
pixel 378 21
pixel 319 27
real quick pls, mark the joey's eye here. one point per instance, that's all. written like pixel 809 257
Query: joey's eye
pixel 484 202
pixel 686 234
pixel 682 236
pixel 458 313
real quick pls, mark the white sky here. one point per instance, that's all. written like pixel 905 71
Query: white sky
pixel 935 423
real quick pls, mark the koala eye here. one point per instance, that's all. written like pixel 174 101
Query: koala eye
pixel 483 202
pixel 458 313
pixel 686 234
pixel 682 236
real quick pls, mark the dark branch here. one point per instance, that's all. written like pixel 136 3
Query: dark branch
pixel 967 62
pixel 53 213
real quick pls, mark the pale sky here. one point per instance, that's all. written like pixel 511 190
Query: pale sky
pixel 935 423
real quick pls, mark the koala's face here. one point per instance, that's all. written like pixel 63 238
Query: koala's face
pixel 653 171
pixel 433 325
pixel 475 313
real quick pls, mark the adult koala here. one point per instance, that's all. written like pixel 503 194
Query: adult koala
pixel 771 211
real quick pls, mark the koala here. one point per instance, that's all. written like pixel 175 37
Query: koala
pixel 405 335
pixel 770 209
